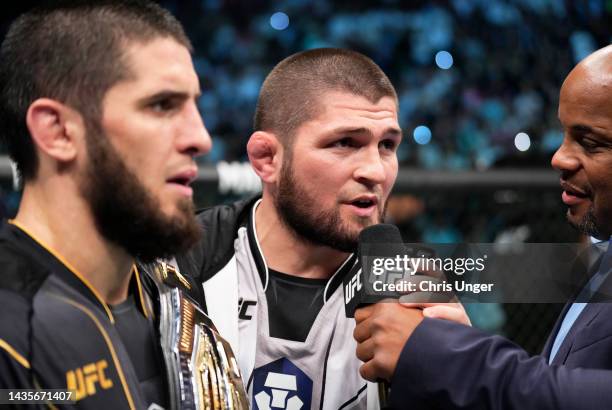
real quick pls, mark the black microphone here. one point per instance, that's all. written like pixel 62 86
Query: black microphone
pixel 384 261
pixel 381 239
pixel 375 240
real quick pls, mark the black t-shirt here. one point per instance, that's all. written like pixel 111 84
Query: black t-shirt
pixel 141 342
pixel 293 304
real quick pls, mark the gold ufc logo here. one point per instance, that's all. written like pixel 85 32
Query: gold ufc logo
pixel 83 380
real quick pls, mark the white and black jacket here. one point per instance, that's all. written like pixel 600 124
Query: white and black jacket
pixel 317 371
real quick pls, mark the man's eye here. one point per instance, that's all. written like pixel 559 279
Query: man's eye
pixel 388 145
pixel 589 144
pixel 343 143
pixel 163 105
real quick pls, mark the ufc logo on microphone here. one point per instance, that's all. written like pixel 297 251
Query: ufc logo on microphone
pixel 352 287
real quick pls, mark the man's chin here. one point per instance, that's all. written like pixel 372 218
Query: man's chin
pixel 586 223
pixel 573 219
pixel 176 217
pixel 181 210
pixel 363 223
pixel 354 226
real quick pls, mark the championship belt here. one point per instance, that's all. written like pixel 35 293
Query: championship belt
pixel 202 370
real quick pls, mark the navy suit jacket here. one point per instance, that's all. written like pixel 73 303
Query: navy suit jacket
pixel 449 366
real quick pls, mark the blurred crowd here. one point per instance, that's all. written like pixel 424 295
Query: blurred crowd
pixel 470 74
pixel 507 61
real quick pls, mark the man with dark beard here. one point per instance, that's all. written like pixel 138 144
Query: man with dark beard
pixel 439 364
pixel 324 146
pixel 98 111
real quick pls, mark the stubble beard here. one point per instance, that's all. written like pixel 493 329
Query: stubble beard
pixel 588 224
pixel 298 212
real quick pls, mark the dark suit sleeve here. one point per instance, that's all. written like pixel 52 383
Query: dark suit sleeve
pixel 449 366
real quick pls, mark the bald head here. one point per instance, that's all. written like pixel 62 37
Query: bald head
pixel 600 60
pixel 585 157
pixel 591 78
pixel 586 94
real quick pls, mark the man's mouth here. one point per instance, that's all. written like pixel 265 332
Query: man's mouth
pixel 182 180
pixel 572 195
pixel 179 180
pixel 364 205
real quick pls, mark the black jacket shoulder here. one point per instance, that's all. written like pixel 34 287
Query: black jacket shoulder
pixel 21 276
pixel 21 272
pixel 216 246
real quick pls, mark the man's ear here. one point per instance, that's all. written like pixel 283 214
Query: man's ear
pixel 266 155
pixel 55 129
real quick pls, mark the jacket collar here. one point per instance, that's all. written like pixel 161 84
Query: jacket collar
pixel 262 268
pixel 59 266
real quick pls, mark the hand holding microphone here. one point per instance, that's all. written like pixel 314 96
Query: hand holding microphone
pixel 373 279
pixel 381 333
pixel 383 325
pixel 381 239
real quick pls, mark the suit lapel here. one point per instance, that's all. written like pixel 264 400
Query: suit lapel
pixel 589 313
pixel 594 253
pixel 553 333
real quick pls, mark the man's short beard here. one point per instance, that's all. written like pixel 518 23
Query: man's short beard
pixel 320 227
pixel 588 224
pixel 126 213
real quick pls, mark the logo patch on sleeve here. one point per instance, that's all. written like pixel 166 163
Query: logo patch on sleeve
pixel 281 385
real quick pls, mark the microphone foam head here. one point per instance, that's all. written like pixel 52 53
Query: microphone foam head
pixel 380 234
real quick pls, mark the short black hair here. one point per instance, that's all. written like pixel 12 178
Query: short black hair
pixel 72 52
pixel 289 94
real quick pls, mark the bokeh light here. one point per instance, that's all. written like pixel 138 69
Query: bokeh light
pixel 444 59
pixel 422 135
pixel 279 21
pixel 522 142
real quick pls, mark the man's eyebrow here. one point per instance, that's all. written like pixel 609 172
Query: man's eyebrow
pixel 169 94
pixel 391 131
pixel 581 129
